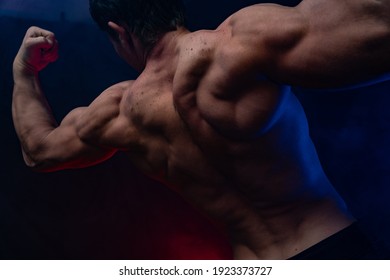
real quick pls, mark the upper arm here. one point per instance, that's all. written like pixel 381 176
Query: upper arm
pixel 327 44
pixel 330 44
pixel 85 137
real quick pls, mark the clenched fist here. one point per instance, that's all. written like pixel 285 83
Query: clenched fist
pixel 38 49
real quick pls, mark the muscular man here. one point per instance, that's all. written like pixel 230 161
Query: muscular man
pixel 207 118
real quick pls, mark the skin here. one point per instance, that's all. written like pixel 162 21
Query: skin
pixel 206 118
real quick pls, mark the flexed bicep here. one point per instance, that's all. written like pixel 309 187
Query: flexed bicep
pixel 86 136
pixel 63 148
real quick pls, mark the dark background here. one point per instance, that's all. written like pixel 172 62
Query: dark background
pixel 111 211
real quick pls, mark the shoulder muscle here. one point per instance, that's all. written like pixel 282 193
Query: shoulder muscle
pixel 217 88
pixel 103 122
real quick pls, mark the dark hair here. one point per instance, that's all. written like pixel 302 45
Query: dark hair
pixel 147 19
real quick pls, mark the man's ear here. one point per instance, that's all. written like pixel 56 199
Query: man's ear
pixel 119 30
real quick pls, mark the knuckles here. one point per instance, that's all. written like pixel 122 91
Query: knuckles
pixel 35 31
pixel 38 49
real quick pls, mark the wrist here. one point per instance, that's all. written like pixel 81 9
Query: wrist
pixel 21 69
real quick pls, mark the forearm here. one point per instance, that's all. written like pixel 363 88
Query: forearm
pixel 33 119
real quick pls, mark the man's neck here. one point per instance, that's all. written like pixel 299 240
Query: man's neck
pixel 164 52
